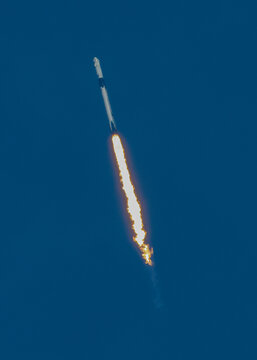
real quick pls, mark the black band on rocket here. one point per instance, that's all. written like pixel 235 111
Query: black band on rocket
pixel 101 82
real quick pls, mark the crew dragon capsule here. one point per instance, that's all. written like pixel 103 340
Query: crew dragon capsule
pixel 105 95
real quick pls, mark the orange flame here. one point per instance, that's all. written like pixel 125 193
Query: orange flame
pixel 133 205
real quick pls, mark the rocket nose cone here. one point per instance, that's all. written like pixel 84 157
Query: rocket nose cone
pixel 98 68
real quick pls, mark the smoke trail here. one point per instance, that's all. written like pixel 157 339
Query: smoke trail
pixel 133 205
pixel 157 296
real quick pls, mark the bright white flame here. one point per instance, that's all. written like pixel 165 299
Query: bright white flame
pixel 133 205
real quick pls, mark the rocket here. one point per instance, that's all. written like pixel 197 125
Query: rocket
pixel 105 95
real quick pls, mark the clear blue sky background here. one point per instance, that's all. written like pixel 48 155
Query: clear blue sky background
pixel 182 82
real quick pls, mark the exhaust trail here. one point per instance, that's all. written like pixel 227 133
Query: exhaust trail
pixel 133 205
pixel 135 213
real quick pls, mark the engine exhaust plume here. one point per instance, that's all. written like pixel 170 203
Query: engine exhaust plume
pixel 133 205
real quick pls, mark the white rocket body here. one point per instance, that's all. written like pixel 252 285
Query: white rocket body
pixel 105 95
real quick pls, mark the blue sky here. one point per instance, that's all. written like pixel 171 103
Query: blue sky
pixel 182 83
